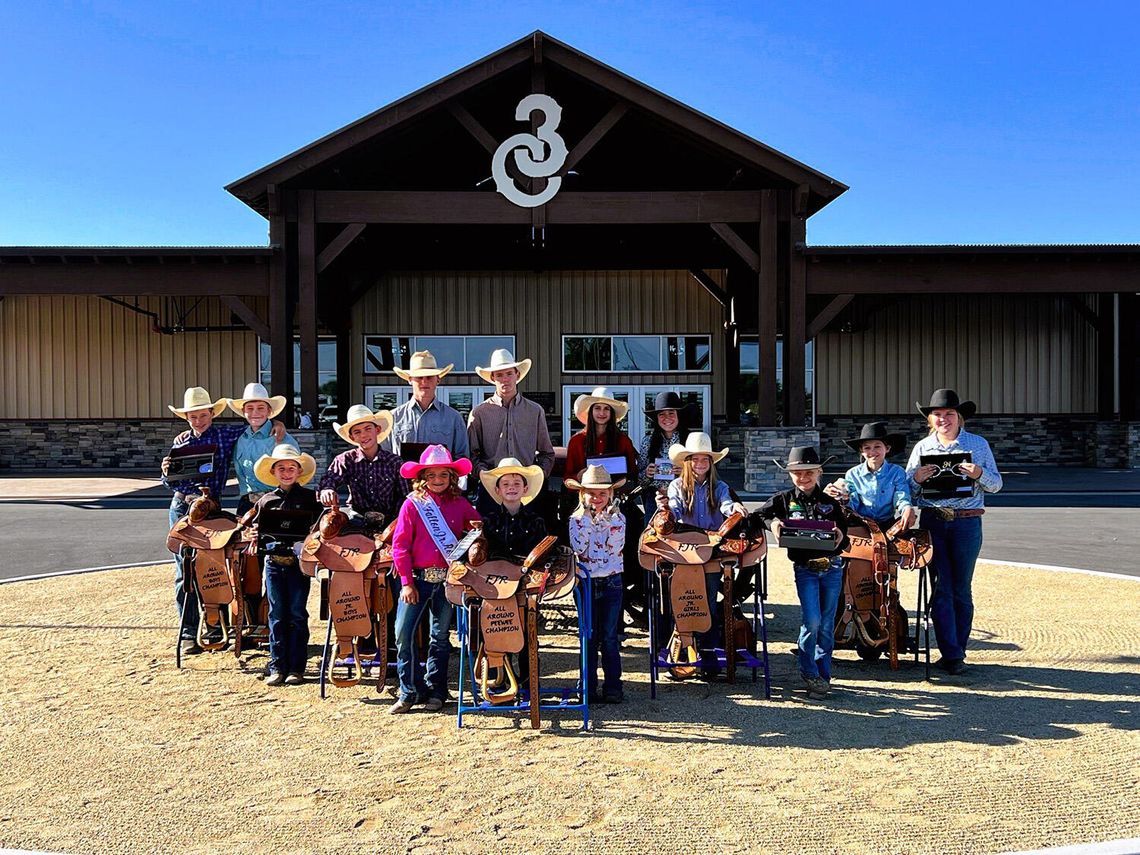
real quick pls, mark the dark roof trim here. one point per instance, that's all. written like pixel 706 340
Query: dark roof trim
pixel 978 249
pixel 67 254
pixel 252 189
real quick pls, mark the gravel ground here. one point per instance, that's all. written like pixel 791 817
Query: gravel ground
pixel 106 747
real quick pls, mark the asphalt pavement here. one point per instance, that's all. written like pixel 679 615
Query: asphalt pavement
pixel 1061 516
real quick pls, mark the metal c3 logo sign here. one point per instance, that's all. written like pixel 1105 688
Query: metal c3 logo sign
pixel 534 162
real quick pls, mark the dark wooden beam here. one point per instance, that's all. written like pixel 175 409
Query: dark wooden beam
pixel 170 280
pixel 732 397
pixel 569 208
pixel 1128 380
pixel 595 134
pixel 307 299
pixel 339 244
pixel 737 244
pixel 280 319
pixel 473 126
pixel 828 314
pixel 795 327
pixel 707 282
pixel 767 303
pixel 248 316
pixel 1090 315
pixel 1106 356
pixel 1048 273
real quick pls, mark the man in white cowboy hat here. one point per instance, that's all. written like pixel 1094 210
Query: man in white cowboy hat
pixel 258 408
pixel 424 418
pixel 507 424
pixel 371 474
pixel 199 409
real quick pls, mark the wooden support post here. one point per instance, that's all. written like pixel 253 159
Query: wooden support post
pixel 1106 357
pixel 307 299
pixel 795 328
pixel 280 317
pixel 767 308
pixel 339 244
pixel 1129 357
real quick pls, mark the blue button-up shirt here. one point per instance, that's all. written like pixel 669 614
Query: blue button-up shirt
pixel 225 437
pixel 251 445
pixel 702 516
pixel 989 482
pixel 881 495
pixel 439 424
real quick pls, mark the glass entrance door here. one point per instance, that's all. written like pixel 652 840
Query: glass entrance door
pixel 640 399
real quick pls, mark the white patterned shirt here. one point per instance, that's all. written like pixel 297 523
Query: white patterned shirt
pixel 598 541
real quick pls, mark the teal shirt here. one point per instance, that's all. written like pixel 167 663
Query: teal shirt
pixel 250 446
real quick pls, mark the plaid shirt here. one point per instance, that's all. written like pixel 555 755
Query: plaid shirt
pixel 513 535
pixel 225 437
pixel 373 485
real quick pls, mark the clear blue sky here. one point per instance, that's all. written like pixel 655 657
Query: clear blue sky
pixel 951 122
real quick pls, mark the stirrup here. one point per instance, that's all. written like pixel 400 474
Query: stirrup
pixel 204 628
pixel 505 674
pixel 682 668
pixel 354 671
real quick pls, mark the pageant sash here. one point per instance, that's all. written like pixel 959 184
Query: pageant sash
pixel 437 527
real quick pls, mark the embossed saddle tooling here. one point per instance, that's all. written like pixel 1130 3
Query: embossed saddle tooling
pixel 207 539
pixel 359 598
pixel 505 589
pixel 869 617
pixel 684 555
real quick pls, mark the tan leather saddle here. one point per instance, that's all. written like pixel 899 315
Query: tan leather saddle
pixel 502 590
pixel 214 547
pixel 870 618
pixel 359 598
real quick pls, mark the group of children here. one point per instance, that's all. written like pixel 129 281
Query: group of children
pixel 436 514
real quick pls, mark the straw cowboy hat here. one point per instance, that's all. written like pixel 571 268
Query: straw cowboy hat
pixel 600 395
pixel 947 399
pixel 358 414
pixel 695 443
pixel 257 392
pixel 509 466
pixel 803 457
pixel 422 364
pixel 593 478
pixel 501 360
pixel 263 468
pixel 197 398
pixel 895 442
pixel 436 455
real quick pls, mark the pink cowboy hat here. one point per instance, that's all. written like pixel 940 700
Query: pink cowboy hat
pixel 436 455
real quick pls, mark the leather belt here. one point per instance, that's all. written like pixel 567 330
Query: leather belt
pixel 282 560
pixel 817 563
pixel 950 514
pixel 431 575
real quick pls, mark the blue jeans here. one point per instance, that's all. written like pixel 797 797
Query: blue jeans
pixel 607 622
pixel 288 591
pixel 707 642
pixel 415 682
pixel 819 596
pixel 185 601
pixel 956 546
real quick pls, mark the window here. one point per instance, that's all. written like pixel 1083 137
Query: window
pixel 632 354
pixel 750 373
pixel 383 353
pixel 461 398
pixel 326 370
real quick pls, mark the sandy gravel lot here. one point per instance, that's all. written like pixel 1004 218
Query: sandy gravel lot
pixel 107 748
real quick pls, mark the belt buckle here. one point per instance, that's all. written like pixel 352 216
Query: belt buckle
pixel 433 575
pixel 818 563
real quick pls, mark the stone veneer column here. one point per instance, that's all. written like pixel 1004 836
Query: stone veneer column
pixel 761 445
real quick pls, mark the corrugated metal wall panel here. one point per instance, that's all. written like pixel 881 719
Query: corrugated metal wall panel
pixel 538 308
pixel 1011 354
pixel 87 358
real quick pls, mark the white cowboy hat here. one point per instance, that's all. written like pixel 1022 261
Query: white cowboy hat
pixel 197 398
pixel 695 443
pixel 257 392
pixel 357 414
pixel 263 468
pixel 435 455
pixel 501 360
pixel 508 466
pixel 600 395
pixel 422 364
pixel 593 478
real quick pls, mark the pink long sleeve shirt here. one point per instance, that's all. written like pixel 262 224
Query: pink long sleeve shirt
pixel 412 546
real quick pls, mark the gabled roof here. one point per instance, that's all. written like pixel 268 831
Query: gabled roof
pixel 537 48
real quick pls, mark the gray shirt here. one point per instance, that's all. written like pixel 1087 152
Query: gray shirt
pixel 516 429
pixel 439 424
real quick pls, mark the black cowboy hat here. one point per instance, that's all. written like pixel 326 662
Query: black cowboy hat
pixel 803 457
pixel 895 442
pixel 947 399
pixel 668 401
